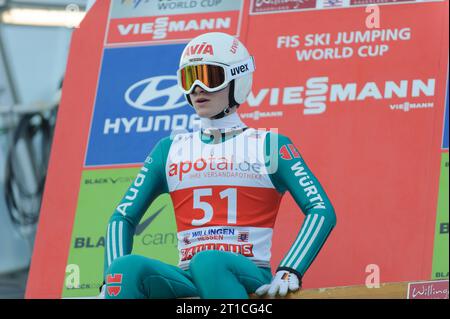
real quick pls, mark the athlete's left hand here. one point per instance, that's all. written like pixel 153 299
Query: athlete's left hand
pixel 283 282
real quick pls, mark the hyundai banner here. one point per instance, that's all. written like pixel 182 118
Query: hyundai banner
pixel 138 103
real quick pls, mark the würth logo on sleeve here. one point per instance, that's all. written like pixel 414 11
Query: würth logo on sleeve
pixel 113 284
pixel 288 152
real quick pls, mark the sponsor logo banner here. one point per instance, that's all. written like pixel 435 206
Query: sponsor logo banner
pixel 182 27
pixel 138 103
pixel 155 235
pixel 171 28
pixel 243 249
pixel 320 93
pixel 224 167
pixel 150 8
pixel 270 6
pixel 428 290
pixel 441 247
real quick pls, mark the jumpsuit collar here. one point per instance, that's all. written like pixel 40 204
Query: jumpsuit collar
pixel 225 124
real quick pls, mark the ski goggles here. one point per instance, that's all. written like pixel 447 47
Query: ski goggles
pixel 212 76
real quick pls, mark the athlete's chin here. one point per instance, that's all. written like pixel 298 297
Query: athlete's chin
pixel 203 111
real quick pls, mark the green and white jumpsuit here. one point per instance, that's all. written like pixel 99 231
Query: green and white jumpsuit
pixel 226 191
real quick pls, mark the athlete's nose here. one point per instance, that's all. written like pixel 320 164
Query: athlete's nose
pixel 198 89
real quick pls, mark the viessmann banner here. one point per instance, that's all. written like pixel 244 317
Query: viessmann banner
pixel 364 106
pixel 166 21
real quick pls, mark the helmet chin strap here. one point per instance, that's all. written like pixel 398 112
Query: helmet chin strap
pixel 223 113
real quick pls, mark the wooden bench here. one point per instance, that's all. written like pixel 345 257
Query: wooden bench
pixel 398 290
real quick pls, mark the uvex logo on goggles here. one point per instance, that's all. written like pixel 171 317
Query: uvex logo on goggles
pixel 239 69
pixel 212 76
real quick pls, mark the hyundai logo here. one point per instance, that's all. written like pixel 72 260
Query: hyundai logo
pixel 141 94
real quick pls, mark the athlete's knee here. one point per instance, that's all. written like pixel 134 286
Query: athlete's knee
pixel 133 264
pixel 208 260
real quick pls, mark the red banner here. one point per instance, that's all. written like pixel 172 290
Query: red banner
pixel 364 106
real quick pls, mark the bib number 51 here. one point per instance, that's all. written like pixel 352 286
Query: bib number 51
pixel 207 208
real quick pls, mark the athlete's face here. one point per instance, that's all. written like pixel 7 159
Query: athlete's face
pixel 208 104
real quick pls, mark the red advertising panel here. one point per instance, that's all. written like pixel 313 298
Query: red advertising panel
pixel 364 105
pixel 51 249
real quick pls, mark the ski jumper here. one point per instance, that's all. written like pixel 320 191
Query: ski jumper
pixel 226 190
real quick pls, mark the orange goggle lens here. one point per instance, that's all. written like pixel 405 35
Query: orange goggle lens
pixel 210 75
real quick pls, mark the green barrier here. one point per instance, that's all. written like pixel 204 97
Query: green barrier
pixel 100 192
pixel 441 247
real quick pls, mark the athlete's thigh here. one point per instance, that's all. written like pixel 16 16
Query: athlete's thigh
pixel 143 277
pixel 220 265
pixel 247 272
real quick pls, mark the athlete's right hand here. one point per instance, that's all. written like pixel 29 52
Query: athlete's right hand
pixel 281 284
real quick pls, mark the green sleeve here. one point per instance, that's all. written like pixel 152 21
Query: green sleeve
pixel 289 172
pixel 149 183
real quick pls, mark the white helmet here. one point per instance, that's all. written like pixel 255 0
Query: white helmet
pixel 220 50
